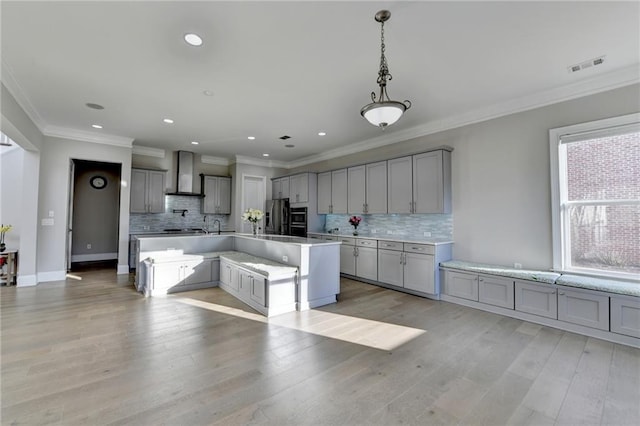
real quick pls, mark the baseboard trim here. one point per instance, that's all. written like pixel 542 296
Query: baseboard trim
pixel 27 280
pixel 44 277
pixel 123 269
pixel 93 257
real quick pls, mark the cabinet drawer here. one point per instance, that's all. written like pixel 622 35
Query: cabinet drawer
pixel 347 241
pixel 367 243
pixel 625 315
pixel 496 291
pixel 537 299
pixel 419 248
pixel 390 245
pixel 583 308
pixel 459 284
pixel 330 238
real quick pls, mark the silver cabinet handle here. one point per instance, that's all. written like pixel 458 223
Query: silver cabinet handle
pixel 561 293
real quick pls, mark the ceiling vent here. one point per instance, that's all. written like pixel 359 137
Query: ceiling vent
pixel 586 64
pixel 285 137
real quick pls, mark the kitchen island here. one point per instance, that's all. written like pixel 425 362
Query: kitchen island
pixel 188 260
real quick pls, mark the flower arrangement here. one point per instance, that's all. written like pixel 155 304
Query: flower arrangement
pixel 355 221
pixel 3 230
pixel 253 216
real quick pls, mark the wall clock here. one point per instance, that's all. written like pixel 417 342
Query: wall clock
pixel 98 182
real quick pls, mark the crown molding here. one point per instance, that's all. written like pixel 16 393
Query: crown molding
pixel 602 83
pixel 84 136
pixel 148 151
pixel 240 159
pixel 18 93
pixel 218 161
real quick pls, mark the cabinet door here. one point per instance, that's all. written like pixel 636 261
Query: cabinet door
pixel 419 272
pixel 210 191
pixel 197 272
pixel 376 188
pixel 583 308
pixel 625 316
pixel 496 291
pixel 224 195
pixel 324 193
pixel 431 184
pixel 339 191
pixel 229 276
pixel 347 260
pixel 285 187
pixel 258 290
pixel 390 267
pixel 459 284
pixel 276 191
pixel 299 188
pixel 155 194
pixel 356 190
pixel 399 185
pixel 138 191
pixel 537 299
pixel 244 292
pixel 367 263
pixel 167 275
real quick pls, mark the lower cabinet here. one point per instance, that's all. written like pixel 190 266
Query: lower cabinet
pixel 625 315
pixel 536 299
pixel 584 308
pixel 411 266
pixel 496 291
pixel 391 267
pixel 462 285
pixel 179 275
pixel 359 258
pixel 418 272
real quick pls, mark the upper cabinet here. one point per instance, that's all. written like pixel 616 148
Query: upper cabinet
pixel 217 194
pixel 376 188
pixel 147 191
pixel 299 188
pixel 356 190
pixel 324 193
pixel 399 185
pixel 432 182
pixel 339 191
pixel 280 188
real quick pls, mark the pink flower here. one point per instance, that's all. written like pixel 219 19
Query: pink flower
pixel 355 220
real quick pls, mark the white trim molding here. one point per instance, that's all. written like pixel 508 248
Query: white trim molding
pixel 148 151
pixel 240 159
pixel 85 136
pixel 27 280
pixel 93 257
pixel 218 161
pixel 19 95
pixel 123 269
pixel 51 276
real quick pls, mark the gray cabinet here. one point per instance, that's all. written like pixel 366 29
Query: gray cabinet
pixel 419 272
pixel 411 266
pixel 584 308
pixel 399 185
pixel 367 259
pixel 217 194
pixel 537 299
pixel 391 263
pixel 625 315
pixel 179 275
pixel 462 285
pixel 432 182
pixel 356 190
pixel 147 191
pixel 252 288
pixel 376 182
pixel 496 291
pixel 347 256
pixel 299 188
pixel 280 188
pixel 339 191
pixel 324 193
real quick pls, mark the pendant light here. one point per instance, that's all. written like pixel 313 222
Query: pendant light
pixel 383 112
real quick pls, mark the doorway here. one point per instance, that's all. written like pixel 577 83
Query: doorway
pixel 94 210
pixel 254 196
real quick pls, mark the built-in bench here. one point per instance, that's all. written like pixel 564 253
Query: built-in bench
pixel 603 308
pixel 266 285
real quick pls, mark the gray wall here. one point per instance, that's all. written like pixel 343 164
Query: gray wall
pixel 500 176
pixel 11 193
pixel 95 211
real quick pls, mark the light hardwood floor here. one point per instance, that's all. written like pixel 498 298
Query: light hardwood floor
pixel 93 351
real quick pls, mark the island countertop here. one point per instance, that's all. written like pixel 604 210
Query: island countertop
pixel 401 238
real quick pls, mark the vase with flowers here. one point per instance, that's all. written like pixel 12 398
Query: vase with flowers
pixel 3 230
pixel 253 216
pixel 355 221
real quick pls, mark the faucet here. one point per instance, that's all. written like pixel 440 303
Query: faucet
pixel 219 226
pixel 205 227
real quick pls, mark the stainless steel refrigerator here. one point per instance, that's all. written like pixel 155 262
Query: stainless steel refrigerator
pixel 277 219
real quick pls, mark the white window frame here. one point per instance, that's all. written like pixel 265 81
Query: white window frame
pixel 559 189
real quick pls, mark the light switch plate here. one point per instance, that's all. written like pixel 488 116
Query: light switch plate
pixel 47 222
pixel 285 258
pixel 427 234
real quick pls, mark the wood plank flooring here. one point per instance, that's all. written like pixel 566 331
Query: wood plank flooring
pixel 92 351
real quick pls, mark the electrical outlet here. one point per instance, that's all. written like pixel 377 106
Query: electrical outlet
pixel 517 265
pixel 50 213
pixel 47 222
pixel 145 227
pixel 285 258
pixel 374 231
pixel 389 232
pixel 88 246
pixel 427 234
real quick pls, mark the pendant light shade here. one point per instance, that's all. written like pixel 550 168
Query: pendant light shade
pixel 383 112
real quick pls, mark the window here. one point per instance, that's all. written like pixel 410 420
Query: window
pixel 596 197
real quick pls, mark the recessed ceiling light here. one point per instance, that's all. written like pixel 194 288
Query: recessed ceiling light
pixel 195 143
pixel 94 106
pixel 289 145
pixel 193 39
pixel 207 92
pixel 251 138
pixel 168 121
pixel 96 126
pixel 265 155
pixel 322 134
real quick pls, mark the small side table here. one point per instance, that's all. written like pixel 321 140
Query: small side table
pixel 9 269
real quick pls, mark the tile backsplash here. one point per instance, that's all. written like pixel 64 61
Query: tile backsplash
pixel 439 225
pixel 194 218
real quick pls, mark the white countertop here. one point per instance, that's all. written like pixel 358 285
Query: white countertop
pixel 401 238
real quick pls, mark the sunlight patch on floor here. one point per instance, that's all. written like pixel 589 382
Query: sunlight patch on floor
pixel 74 277
pixel 374 334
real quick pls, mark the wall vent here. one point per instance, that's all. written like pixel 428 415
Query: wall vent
pixel 586 64
pixel 285 137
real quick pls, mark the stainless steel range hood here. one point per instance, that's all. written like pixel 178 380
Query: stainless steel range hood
pixel 184 175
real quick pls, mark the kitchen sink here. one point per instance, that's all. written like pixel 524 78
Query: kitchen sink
pixel 183 230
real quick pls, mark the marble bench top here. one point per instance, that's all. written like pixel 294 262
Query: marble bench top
pixel 577 281
pixel 266 267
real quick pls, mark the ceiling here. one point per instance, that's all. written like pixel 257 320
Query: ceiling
pixel 299 68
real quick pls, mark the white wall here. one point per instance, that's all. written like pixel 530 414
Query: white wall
pixel 11 193
pixel 54 195
pixel 500 176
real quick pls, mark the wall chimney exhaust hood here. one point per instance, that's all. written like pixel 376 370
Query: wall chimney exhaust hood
pixel 184 175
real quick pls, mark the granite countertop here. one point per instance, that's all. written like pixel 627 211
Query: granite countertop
pixel 577 281
pixel 260 265
pixel 505 271
pixel 288 239
pixel 401 238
